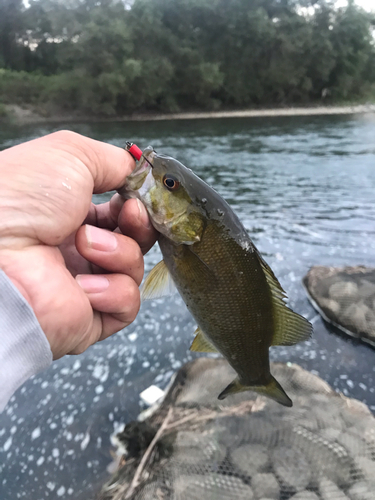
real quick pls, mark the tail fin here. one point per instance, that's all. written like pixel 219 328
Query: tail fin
pixel 272 390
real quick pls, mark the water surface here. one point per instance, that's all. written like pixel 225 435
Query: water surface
pixel 303 187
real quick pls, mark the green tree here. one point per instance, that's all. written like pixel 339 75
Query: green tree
pixel 121 56
pixel 353 44
pixel 11 26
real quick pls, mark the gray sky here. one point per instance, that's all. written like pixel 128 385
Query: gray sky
pixel 366 4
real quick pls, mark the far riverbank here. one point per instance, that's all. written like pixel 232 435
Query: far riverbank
pixel 22 116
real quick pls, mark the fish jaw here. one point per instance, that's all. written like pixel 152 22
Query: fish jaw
pixel 137 183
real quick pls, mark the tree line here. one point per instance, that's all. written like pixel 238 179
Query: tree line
pixel 116 56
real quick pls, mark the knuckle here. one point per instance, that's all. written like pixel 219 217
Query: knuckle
pixel 133 301
pixel 80 348
pixel 136 263
pixel 139 261
pixel 134 249
pixel 64 135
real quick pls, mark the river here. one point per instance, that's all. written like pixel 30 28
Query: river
pixel 303 187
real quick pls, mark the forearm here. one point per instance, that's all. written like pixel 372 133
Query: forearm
pixel 24 349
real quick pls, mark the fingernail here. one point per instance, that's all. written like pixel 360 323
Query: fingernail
pixel 143 215
pixel 100 239
pixel 91 283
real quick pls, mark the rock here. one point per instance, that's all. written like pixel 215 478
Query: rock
pixel 308 383
pixel 361 491
pixel 343 290
pixel 365 467
pixel 306 495
pixel 355 316
pixel 326 408
pixel 328 458
pixel 330 491
pixel 370 315
pixel 366 289
pixel 154 490
pixel 285 451
pixel 211 487
pixel 345 297
pixel 330 305
pixel 354 411
pixel 369 437
pixel 330 434
pixel 291 467
pixel 194 448
pixel 371 325
pixel 235 431
pixel 257 430
pixel 265 485
pixel 205 394
pixel 22 115
pixel 329 420
pixel 250 458
pixel 310 423
pixel 352 443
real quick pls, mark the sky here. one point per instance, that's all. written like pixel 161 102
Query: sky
pixel 366 4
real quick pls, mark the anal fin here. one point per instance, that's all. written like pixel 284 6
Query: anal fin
pixel 201 343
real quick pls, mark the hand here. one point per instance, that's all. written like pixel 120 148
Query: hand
pixel 81 280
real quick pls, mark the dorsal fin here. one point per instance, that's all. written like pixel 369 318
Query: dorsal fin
pixel 290 327
pixel 201 343
pixel 159 283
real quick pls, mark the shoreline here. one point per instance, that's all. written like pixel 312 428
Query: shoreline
pixel 23 116
pixel 255 113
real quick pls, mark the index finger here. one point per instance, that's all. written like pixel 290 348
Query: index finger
pixel 108 165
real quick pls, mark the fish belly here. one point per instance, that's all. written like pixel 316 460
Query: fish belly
pixel 224 288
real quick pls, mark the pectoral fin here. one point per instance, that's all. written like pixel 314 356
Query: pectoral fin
pixel 159 283
pixel 201 343
pixel 272 390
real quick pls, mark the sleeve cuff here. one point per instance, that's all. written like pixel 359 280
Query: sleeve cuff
pixel 24 348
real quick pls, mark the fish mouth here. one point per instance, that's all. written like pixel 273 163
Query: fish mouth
pixel 141 167
pixel 144 164
pixel 135 180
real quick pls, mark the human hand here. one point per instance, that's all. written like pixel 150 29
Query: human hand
pixel 80 280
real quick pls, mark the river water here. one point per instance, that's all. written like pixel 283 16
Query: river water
pixel 303 187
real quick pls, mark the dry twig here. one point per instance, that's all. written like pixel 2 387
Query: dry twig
pixel 145 457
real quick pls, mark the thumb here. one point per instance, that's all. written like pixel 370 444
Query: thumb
pixel 109 165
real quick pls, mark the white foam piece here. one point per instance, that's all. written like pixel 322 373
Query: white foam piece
pixel 151 395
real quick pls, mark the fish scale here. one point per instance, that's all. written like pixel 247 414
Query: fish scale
pixel 232 304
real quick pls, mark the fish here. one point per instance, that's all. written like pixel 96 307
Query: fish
pixel 208 257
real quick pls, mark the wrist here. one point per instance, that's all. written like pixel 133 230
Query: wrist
pixel 24 349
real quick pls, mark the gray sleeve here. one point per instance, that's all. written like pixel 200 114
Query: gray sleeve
pixel 24 348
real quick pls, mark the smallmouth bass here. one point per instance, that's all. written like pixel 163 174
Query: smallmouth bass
pixel 231 292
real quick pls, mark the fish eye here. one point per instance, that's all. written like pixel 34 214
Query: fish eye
pixel 170 182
